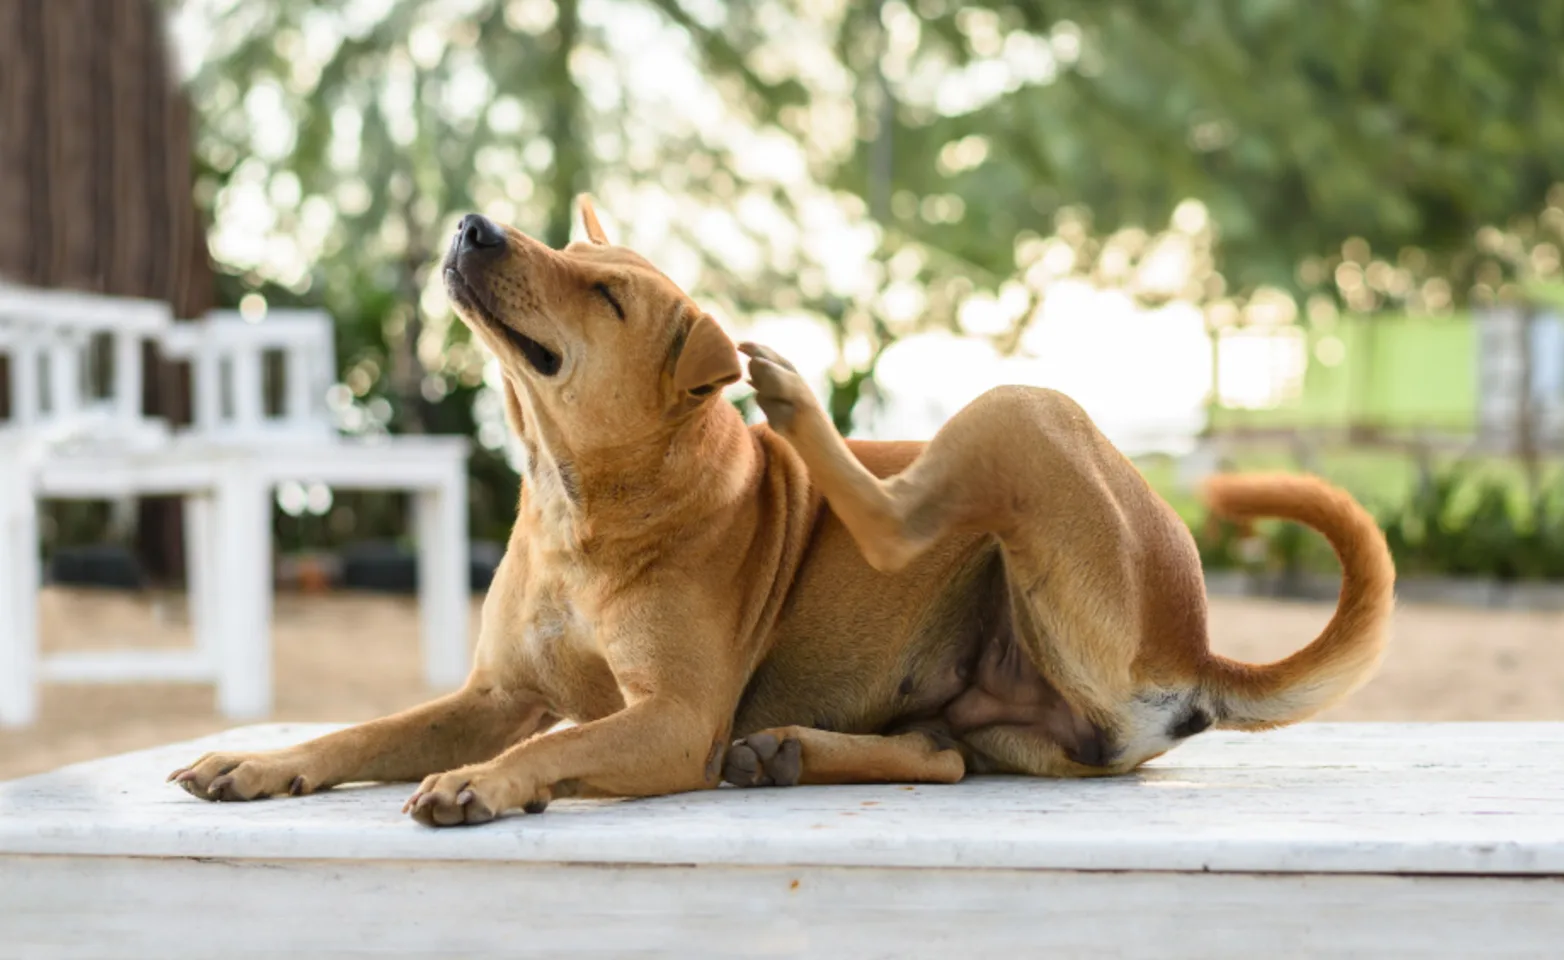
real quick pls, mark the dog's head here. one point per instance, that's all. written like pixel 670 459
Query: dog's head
pixel 597 343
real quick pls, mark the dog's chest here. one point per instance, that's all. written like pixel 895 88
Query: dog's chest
pixel 556 637
pixel 541 629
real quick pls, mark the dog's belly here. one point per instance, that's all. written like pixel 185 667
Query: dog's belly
pixel 849 636
pixel 934 647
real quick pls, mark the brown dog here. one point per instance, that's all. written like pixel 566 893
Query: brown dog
pixel 1011 596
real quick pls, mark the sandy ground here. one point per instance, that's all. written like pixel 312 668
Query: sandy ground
pixel 354 657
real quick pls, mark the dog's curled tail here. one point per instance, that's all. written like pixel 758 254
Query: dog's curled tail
pixel 1257 697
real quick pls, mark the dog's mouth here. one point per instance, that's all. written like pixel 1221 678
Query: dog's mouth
pixel 545 361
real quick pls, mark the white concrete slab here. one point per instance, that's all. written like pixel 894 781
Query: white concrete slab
pixel 1355 798
pixel 1442 839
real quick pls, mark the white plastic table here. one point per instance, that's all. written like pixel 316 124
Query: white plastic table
pixel 228 490
pixel 1327 839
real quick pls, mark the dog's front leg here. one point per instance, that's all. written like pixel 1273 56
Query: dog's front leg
pixel 678 669
pixel 657 746
pixel 474 723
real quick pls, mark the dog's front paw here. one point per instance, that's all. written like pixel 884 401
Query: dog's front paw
pixel 475 794
pixel 246 776
pixel 779 390
pixel 764 759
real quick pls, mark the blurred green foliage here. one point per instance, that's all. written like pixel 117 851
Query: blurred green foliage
pixel 1465 522
pixel 1460 520
pixel 1367 131
pixel 1408 123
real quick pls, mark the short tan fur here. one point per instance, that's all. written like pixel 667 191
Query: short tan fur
pixel 774 604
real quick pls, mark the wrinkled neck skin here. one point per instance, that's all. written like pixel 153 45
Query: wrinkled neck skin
pixel 650 493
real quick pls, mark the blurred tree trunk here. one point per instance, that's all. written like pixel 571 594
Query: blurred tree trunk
pixel 569 174
pixel 877 113
pixel 95 185
pixel 882 155
pixel 413 413
pixel 1213 398
pixel 1362 426
pixel 1525 407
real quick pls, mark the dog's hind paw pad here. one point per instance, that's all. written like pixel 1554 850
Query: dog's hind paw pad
pixel 763 760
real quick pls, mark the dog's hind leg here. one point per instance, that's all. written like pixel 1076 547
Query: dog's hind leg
pixel 1092 556
pixel 784 756
pixel 983 471
pixel 891 520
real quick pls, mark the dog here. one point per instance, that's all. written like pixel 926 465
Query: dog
pixel 771 605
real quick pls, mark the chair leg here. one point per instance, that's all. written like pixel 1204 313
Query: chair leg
pixel 242 595
pixel 201 582
pixel 20 578
pixel 443 571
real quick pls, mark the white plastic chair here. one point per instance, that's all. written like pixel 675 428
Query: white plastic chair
pixel 228 356
pixel 52 337
pixel 70 438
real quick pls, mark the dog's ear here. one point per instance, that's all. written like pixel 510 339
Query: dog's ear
pixel 589 219
pixel 708 361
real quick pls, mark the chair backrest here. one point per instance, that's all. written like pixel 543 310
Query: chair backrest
pixel 259 381
pixel 74 364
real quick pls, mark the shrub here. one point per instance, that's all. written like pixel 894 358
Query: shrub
pixel 1455 522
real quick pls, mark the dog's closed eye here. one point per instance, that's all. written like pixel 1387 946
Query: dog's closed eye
pixel 607 294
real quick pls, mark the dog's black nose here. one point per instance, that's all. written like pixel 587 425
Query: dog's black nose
pixel 479 233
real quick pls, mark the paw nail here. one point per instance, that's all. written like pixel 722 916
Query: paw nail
pixel 464 797
pixel 296 788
